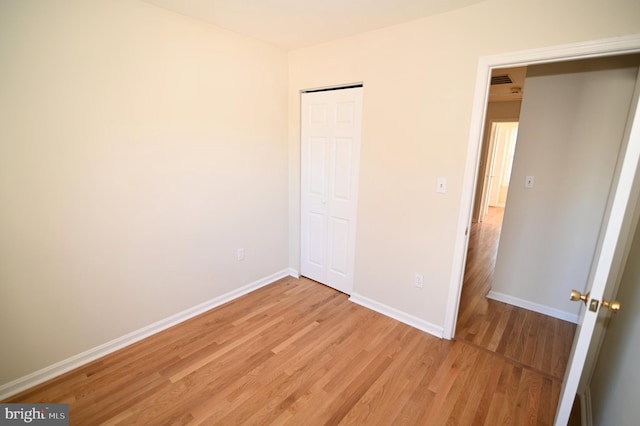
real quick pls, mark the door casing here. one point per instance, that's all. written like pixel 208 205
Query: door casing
pixel 602 48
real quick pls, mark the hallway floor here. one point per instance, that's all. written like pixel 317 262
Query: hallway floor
pixel 535 342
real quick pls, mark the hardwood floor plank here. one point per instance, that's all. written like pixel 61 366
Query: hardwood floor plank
pixel 357 388
pixel 481 412
pixel 533 401
pixel 499 398
pixel 442 409
pixel 422 398
pixel 469 410
pixel 383 400
pixel 503 313
pixel 111 407
pixel 508 412
pixel 545 404
pixel 295 337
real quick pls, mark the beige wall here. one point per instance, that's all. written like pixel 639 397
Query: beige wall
pixel 550 232
pixel 418 91
pixel 138 150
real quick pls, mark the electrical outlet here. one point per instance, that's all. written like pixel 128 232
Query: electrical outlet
pixel 240 254
pixel 419 280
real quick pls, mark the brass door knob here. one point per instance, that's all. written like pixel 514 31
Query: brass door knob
pixel 576 296
pixel 613 306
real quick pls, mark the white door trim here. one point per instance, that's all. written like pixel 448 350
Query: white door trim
pixel 599 48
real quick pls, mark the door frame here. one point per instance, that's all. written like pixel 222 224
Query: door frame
pixel 592 49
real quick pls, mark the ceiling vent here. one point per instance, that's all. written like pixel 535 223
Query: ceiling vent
pixel 501 79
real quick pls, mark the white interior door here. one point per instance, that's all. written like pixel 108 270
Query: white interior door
pixel 504 135
pixel 510 138
pixel 601 282
pixel 490 170
pixel 497 172
pixel 330 157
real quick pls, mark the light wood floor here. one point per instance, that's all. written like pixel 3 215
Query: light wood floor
pixel 297 352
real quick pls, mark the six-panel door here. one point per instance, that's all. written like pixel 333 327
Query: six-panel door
pixel 330 155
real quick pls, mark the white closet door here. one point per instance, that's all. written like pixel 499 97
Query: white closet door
pixel 330 157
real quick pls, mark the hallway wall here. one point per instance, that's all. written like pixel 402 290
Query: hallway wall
pixel 571 126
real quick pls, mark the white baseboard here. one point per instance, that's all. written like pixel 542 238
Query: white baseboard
pixel 408 319
pixel 294 273
pixel 83 358
pixel 535 307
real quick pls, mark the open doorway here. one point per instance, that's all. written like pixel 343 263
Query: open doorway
pixel 609 48
pixel 543 245
pixel 496 159
pixel 505 100
pixel 502 145
pixel 566 146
